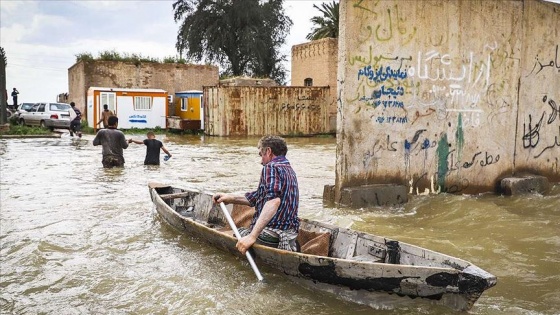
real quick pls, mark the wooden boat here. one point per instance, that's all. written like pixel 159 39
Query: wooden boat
pixel 356 266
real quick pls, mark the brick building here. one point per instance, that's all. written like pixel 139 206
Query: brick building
pixel 315 64
pixel 171 77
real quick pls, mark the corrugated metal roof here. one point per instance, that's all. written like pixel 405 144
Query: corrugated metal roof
pixel 126 90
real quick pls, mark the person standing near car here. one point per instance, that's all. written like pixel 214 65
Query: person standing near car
pixel 105 114
pixel 76 123
pixel 113 142
pixel 15 93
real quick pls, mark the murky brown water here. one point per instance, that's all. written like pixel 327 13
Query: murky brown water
pixel 79 239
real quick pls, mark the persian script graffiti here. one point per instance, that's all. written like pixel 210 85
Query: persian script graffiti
pixel 532 131
pixel 297 107
pixel 382 74
pixel 435 66
pixel 554 63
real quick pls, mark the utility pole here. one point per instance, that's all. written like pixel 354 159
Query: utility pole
pixel 3 91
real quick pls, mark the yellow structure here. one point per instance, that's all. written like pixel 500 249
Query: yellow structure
pixel 189 111
pixel 188 105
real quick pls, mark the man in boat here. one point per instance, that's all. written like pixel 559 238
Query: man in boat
pixel 276 200
pixel 113 142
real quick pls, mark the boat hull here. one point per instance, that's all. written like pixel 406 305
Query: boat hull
pixel 359 268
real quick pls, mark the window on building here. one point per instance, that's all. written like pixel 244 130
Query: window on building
pixel 142 103
pixel 308 82
pixel 109 98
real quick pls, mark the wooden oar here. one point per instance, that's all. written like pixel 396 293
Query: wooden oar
pixel 234 228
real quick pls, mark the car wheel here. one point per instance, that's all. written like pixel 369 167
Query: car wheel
pixel 22 122
pixel 51 128
pixel 42 124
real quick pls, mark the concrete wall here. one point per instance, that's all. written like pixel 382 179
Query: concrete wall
pixel 78 84
pixel 257 111
pixel 116 74
pixel 439 95
pixel 537 138
pixel 317 60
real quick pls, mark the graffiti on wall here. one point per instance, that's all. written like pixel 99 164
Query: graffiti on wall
pixel 553 63
pixel 532 128
pixel 538 128
pixel 422 94
pixel 394 25
pixel 447 154
pixel 404 89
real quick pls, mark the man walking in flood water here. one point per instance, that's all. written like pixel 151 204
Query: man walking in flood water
pixel 276 200
pixel 76 123
pixel 113 142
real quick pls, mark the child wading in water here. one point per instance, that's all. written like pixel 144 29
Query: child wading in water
pixel 152 149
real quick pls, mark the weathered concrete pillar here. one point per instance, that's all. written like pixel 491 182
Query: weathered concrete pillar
pixel 527 184
pixel 329 193
pixel 374 195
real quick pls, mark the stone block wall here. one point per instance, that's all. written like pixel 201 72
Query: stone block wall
pixel 317 60
pixel 171 77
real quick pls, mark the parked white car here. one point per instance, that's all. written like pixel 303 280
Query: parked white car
pixel 23 107
pixel 47 115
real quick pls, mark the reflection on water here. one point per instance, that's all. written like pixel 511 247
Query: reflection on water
pixel 80 239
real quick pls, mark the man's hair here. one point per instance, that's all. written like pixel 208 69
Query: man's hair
pixel 113 120
pixel 72 104
pixel 275 143
pixel 106 106
pixel 151 133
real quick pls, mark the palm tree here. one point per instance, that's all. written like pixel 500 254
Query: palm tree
pixel 326 26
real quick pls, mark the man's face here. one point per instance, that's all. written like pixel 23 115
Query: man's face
pixel 266 155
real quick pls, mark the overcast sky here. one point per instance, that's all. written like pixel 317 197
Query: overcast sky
pixel 42 38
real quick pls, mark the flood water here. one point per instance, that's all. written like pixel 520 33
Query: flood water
pixel 80 239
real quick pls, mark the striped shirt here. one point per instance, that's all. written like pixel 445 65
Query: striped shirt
pixel 278 179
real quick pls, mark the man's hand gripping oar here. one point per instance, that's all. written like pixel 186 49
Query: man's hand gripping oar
pixel 236 232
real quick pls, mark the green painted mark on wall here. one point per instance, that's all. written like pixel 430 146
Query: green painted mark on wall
pixel 460 137
pixel 442 153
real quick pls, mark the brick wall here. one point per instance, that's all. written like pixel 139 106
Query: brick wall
pixel 171 77
pixel 317 60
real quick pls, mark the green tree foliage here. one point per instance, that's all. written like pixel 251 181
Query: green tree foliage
pixel 112 55
pixel 243 36
pixel 327 25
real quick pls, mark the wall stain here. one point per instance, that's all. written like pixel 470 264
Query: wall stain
pixel 459 136
pixel 442 153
